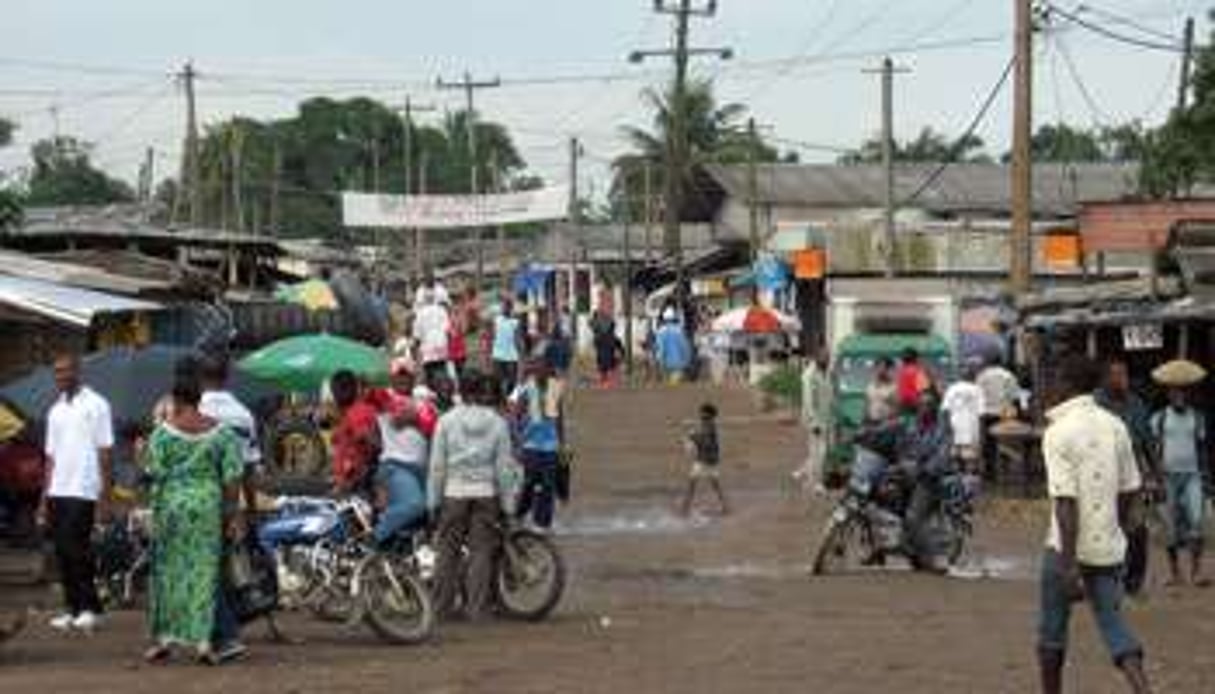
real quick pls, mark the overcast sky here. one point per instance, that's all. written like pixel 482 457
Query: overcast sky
pixel 106 64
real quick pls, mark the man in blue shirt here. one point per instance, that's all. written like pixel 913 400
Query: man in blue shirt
pixel 1181 442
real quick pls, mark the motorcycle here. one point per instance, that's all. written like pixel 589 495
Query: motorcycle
pixel 325 564
pixel 869 522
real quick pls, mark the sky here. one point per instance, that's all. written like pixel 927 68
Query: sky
pixel 103 70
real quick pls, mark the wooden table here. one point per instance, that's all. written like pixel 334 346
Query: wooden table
pixel 1018 446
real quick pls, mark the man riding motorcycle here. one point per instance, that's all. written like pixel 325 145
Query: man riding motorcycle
pixel 917 443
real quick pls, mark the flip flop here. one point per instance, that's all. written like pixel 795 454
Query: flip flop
pixel 157 655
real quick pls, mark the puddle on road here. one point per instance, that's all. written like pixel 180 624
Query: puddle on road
pixel 652 521
pixel 993 568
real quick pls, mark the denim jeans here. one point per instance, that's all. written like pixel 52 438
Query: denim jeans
pixel 1102 591
pixel 1185 508
pixel 227 628
pixel 406 498
pixel 539 487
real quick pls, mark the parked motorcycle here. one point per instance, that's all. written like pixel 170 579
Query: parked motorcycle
pixel 325 564
pixel 869 522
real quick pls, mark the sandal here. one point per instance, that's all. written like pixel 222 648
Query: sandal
pixel 157 655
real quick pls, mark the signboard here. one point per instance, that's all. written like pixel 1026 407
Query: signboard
pixel 453 211
pixel 1063 251
pixel 1143 337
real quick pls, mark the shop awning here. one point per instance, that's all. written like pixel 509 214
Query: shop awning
pixel 65 304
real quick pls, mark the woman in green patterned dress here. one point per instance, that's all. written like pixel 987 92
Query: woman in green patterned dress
pixel 195 467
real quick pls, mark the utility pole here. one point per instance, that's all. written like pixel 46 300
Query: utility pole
pixel 192 174
pixel 420 239
pixel 1187 65
pixel 888 71
pixel 677 142
pixel 407 140
pixel 648 185
pixel 1021 239
pixel 274 188
pixel 752 189
pixel 469 86
pixel 235 145
pixel 497 188
pixel 628 281
pixel 147 182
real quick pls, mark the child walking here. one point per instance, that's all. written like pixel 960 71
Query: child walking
pixel 705 448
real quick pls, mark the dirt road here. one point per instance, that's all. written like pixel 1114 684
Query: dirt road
pixel 660 604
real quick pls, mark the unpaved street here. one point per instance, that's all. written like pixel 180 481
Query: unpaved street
pixel 659 604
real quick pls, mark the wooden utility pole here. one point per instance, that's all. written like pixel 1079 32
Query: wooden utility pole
pixel 420 239
pixel 469 86
pixel 890 208
pixel 1187 65
pixel 235 145
pixel 677 140
pixel 1021 239
pixel 628 283
pixel 497 188
pixel 648 185
pixel 192 173
pixel 752 189
pixel 274 188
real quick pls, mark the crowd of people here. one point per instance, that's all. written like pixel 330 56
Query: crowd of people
pixel 456 439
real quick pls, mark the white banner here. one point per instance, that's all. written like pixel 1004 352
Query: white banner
pixel 454 211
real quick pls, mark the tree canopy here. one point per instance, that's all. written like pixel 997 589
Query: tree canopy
pixel 928 146
pixel 64 174
pixel 286 175
pixel 10 202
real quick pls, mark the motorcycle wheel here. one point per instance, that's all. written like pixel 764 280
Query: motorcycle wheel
pixel 398 607
pixel 841 537
pixel 530 577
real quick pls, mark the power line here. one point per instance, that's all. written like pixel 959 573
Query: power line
pixel 1098 115
pixel 1108 33
pixel 1124 20
pixel 970 132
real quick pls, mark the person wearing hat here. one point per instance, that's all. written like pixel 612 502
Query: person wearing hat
pixel 1180 437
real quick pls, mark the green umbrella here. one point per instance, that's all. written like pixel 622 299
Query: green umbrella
pixel 303 363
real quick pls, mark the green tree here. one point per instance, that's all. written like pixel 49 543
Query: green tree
pixel 716 132
pixel 10 201
pixel 64 174
pixel 929 146
pixel 331 146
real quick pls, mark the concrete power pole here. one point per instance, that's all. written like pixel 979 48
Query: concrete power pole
pixel 469 86
pixel 648 184
pixel 752 189
pixel 888 71
pixel 1021 239
pixel 677 138
pixel 1187 65
pixel 192 173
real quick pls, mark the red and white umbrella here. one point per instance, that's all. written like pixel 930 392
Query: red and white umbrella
pixel 756 320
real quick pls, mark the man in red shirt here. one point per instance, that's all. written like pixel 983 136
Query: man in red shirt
pixel 912 380
pixel 356 439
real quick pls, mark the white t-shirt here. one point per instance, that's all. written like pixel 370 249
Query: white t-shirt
pixel 1089 458
pixel 76 431
pixel 430 328
pixel 438 294
pixel 1000 389
pixel 224 408
pixel 964 402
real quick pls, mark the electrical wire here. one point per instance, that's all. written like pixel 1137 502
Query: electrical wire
pixel 1111 34
pixel 1124 20
pixel 1098 115
pixel 970 132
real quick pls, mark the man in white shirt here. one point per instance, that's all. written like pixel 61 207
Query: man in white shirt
pixel 79 439
pixel 963 402
pixel 431 331
pixel 1000 393
pixel 1092 478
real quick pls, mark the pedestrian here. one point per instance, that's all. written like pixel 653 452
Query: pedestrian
pixel 672 351
pixel 470 459
pixel 1093 480
pixel 431 332
pixel 457 342
pixel 911 380
pixel 79 442
pixel 705 447
pixel 1118 397
pixel 406 425
pixel 603 331
pixel 816 417
pixel 1000 391
pixel 432 288
pixel 507 341
pixel 355 441
pixel 963 405
pixel 195 467
pixel 220 405
pixel 537 404
pixel 881 395
pixel 1181 444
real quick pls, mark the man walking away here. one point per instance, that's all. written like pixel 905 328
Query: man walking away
pixel 222 406
pixel 507 346
pixel 79 438
pixel 1181 440
pixel 963 402
pixel 1117 397
pixel 1000 388
pixel 1092 479
pixel 816 417
pixel 431 331
pixel 469 459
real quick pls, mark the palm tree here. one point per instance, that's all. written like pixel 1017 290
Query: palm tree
pixel 715 133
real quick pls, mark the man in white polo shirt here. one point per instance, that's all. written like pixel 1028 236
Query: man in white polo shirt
pixel 79 436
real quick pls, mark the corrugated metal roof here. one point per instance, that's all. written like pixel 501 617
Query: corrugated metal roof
pixel 961 188
pixel 65 304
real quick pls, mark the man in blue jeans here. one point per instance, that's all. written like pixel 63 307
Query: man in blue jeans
pixel 1180 433
pixel 538 405
pixel 1093 480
